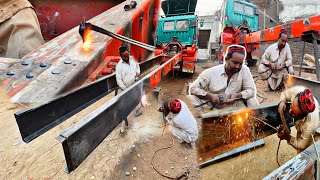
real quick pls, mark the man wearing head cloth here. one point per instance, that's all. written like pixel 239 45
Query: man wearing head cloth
pixel 226 85
pixel 20 31
pixel 305 111
pixel 276 60
pixel 127 71
pixel 182 125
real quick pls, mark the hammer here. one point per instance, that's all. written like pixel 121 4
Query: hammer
pixel 88 26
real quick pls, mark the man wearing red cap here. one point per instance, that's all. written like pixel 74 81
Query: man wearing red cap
pixel 305 112
pixel 183 125
pixel 276 60
pixel 226 85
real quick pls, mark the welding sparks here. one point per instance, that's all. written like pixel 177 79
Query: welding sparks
pixel 239 119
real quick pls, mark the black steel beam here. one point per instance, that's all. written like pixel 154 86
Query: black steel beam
pixel 37 120
pixel 233 153
pixel 83 137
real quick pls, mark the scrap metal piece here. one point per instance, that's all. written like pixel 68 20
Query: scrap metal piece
pixel 83 137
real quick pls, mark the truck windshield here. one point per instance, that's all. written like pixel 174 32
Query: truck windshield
pixel 238 7
pixel 168 26
pixel 182 25
pixel 248 10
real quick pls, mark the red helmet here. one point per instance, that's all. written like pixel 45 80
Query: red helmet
pixel 174 106
pixel 306 101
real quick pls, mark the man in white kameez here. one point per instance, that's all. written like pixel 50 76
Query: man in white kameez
pixel 127 72
pixel 276 61
pixel 183 125
pixel 226 85
pixel 305 111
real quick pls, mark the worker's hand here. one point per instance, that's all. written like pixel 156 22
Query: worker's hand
pixel 282 107
pixel 169 121
pixel 213 98
pixel 272 66
pixel 281 67
pixel 138 75
pixel 160 109
pixel 233 96
pixel 283 135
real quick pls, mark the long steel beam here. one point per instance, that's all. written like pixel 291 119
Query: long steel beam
pixel 83 137
pixel 37 120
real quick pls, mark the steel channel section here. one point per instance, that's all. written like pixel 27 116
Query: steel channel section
pixel 83 137
pixel 37 120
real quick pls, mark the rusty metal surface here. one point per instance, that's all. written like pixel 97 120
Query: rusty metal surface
pixel 83 137
pixel 45 85
pixel 303 166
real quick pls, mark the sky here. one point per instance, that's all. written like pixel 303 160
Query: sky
pixel 207 7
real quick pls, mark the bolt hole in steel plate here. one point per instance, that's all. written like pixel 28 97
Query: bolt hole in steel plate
pixel 55 71
pixel 68 61
pixel 43 65
pixel 29 75
pixel 10 73
pixel 25 63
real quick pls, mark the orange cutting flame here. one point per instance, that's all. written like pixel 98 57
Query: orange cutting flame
pixel 87 37
pixel 289 81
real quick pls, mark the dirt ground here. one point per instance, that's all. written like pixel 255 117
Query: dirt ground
pixel 43 158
